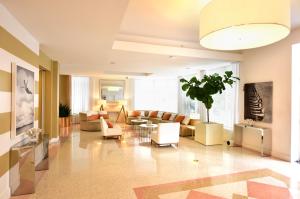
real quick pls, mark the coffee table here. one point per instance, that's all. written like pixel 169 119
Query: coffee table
pixel 146 130
pixel 137 122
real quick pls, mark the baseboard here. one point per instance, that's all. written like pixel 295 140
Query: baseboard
pixel 281 156
pixel 54 140
pixel 5 194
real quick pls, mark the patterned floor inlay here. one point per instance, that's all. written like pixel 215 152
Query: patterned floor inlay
pixel 260 184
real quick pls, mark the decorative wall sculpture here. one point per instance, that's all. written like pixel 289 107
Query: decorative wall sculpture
pixel 258 101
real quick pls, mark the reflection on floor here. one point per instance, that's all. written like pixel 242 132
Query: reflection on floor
pixel 86 166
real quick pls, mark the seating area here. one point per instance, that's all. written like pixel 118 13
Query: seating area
pixel 150 99
pixel 187 125
pixel 170 125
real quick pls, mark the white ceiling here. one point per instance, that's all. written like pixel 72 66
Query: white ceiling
pixel 80 34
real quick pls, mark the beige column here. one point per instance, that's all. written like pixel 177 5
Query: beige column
pixel 52 100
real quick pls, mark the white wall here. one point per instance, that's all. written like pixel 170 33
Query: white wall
pixel 10 24
pixel 273 63
pixel 6 142
pixel 295 137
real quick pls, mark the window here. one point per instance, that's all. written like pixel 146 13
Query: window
pixel 187 106
pixel 156 94
pixel 225 105
pixel 80 94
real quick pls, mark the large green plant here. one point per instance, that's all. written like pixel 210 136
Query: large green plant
pixel 64 110
pixel 203 90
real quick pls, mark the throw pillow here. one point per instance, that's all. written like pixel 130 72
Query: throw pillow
pixel 105 116
pixel 136 113
pixel 179 118
pixel 186 121
pixel 142 113
pixel 172 118
pixel 109 124
pixel 160 114
pixel 166 116
pixel 153 114
pixel 93 117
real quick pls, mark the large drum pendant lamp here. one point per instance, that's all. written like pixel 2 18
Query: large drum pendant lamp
pixel 243 24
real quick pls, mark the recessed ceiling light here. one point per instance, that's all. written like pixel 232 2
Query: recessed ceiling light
pixel 112 62
pixel 171 57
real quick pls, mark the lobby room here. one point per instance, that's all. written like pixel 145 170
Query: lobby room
pixel 173 99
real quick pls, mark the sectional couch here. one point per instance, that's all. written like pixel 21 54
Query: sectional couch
pixel 187 125
pixel 90 121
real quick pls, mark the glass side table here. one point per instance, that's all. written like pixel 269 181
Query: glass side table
pixel 146 130
pixel 138 122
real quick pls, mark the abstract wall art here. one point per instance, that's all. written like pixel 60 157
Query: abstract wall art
pixel 112 90
pixel 258 101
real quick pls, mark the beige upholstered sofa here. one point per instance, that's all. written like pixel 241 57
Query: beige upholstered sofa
pixel 90 121
pixel 187 126
pixel 187 130
pixel 130 116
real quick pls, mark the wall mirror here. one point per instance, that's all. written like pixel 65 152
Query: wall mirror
pixel 112 90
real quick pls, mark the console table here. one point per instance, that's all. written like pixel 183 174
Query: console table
pixel 26 157
pixel 253 137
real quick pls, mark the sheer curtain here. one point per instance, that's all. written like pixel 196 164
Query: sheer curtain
pixel 80 94
pixel 156 94
pixel 225 106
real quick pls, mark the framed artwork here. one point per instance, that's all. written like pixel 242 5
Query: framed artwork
pixel 22 100
pixel 112 90
pixel 258 101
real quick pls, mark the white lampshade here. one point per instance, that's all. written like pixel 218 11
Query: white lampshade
pixel 102 102
pixel 123 102
pixel 243 24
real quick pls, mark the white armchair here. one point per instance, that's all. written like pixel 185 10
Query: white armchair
pixel 166 134
pixel 116 131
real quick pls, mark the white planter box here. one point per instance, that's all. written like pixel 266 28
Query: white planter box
pixel 209 133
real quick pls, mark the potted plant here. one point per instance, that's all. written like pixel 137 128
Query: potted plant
pixel 203 91
pixel 64 115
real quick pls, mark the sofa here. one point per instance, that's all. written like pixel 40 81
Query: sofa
pixel 133 115
pixel 187 125
pixel 90 121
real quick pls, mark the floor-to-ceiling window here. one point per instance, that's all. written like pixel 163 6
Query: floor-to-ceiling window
pixel 156 94
pixel 224 109
pixel 80 94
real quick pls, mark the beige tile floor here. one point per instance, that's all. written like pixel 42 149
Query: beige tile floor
pixel 85 166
